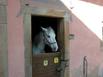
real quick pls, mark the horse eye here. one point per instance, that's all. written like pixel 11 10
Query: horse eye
pixel 48 36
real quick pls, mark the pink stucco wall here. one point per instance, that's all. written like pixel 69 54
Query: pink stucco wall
pixel 98 2
pixel 85 43
pixel 15 40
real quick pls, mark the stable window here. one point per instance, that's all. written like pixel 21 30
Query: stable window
pixel 44 21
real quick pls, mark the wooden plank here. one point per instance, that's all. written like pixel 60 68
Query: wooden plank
pixel 27 43
pixel 3 50
pixel 3 15
pixel 67 52
pixel 47 12
pixel 40 70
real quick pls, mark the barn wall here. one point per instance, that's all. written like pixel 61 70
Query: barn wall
pixel 54 4
pixel 16 48
pixel 98 2
pixel 85 43
pixel 15 40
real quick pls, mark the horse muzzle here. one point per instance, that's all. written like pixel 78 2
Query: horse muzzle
pixel 54 47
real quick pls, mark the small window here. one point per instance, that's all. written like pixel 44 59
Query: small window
pixel 43 21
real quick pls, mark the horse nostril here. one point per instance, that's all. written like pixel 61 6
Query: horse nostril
pixel 55 48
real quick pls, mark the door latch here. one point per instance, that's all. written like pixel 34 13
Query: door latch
pixel 64 64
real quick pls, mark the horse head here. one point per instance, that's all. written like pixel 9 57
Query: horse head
pixel 50 38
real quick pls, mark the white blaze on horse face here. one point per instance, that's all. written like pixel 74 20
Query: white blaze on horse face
pixel 50 39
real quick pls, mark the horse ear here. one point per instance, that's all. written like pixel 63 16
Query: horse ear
pixel 44 29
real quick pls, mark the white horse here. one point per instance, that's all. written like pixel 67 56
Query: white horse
pixel 45 37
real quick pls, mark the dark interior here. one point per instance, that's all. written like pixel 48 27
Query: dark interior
pixel 38 21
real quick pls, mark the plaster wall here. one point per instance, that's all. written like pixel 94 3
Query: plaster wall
pixel 15 40
pixel 98 2
pixel 85 42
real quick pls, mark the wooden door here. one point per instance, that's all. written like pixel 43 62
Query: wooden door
pixel 46 65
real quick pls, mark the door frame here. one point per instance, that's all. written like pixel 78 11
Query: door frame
pixel 3 39
pixel 38 11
